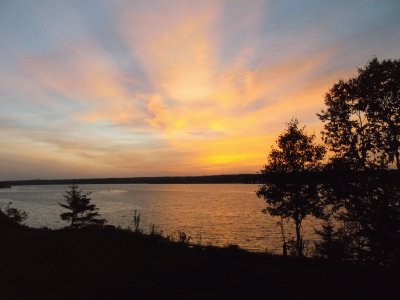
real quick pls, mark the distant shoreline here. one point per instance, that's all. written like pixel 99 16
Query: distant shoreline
pixel 323 176
pixel 209 179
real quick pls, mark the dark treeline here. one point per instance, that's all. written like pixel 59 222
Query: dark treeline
pixel 234 178
pixel 266 177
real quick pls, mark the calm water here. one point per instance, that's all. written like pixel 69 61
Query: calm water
pixel 217 214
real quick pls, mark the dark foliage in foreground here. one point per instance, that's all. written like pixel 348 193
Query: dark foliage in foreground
pixel 109 263
pixel 11 216
pixel 368 211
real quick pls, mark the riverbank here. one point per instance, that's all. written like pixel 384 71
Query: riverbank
pixel 118 264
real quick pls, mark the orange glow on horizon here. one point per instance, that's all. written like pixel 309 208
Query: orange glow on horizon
pixel 170 87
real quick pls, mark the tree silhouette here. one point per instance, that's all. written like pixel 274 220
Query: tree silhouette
pixel 16 215
pixel 367 207
pixel 333 244
pixel 81 211
pixel 296 154
pixel 12 216
pixel 362 118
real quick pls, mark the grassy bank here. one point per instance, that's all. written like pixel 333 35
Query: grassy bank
pixel 117 264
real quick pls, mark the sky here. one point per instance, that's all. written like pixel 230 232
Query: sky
pixel 163 88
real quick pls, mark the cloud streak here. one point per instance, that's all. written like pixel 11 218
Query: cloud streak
pixel 172 87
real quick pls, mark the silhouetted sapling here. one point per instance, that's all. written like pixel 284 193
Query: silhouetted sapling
pixel 136 222
pixel 333 244
pixel 81 212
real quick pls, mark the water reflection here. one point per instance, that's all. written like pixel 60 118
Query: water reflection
pixel 217 214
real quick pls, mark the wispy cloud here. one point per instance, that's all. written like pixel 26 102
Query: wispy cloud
pixel 124 88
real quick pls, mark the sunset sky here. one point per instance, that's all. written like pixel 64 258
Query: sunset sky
pixel 149 88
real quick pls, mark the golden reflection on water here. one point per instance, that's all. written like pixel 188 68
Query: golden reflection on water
pixel 217 214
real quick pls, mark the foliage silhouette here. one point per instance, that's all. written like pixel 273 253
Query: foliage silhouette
pixel 81 212
pixel 368 207
pixel 12 216
pixel 183 238
pixel 362 118
pixel 296 154
pixel 16 215
pixel 333 243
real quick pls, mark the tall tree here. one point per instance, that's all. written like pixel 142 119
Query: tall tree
pixel 296 154
pixel 362 118
pixel 379 86
pixel 81 212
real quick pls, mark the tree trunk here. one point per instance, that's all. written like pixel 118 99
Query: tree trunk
pixel 284 245
pixel 299 242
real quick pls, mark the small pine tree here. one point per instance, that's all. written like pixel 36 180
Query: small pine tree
pixel 81 212
pixel 333 244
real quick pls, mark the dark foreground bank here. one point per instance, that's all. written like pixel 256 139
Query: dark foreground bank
pixel 118 264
